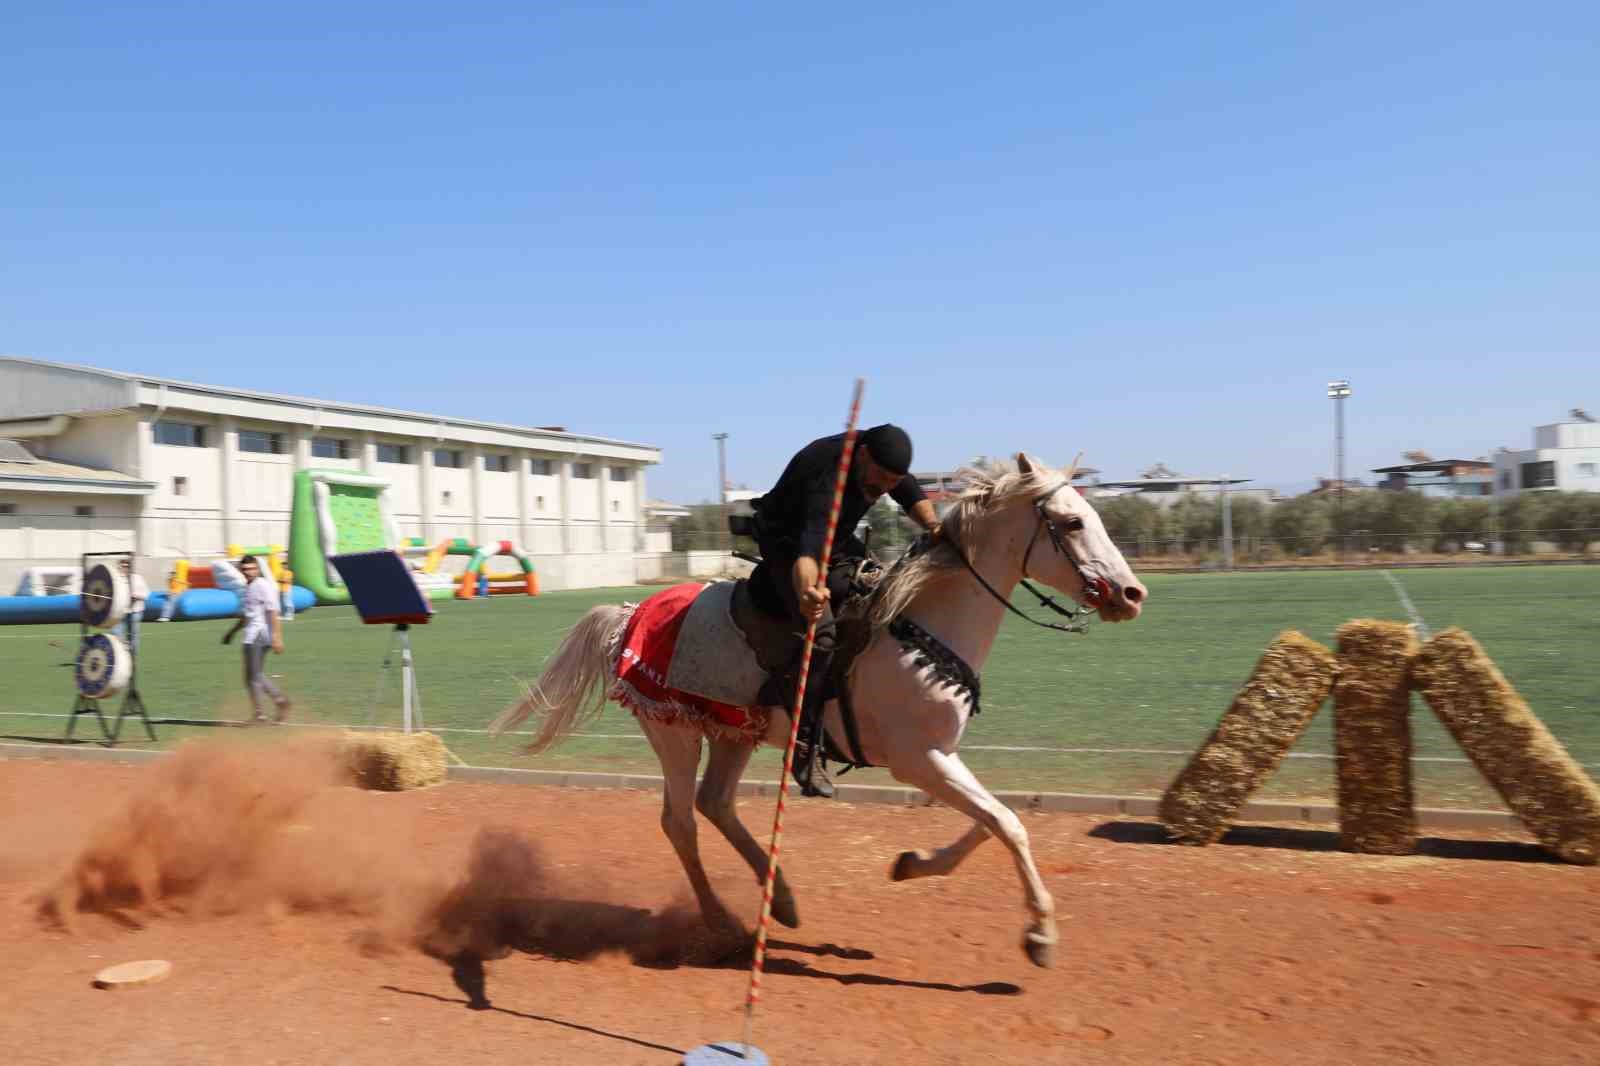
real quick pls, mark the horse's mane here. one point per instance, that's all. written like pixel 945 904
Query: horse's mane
pixel 990 486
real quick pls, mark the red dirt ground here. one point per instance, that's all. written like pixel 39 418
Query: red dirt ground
pixel 1269 950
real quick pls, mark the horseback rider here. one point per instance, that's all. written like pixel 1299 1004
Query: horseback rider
pixel 791 524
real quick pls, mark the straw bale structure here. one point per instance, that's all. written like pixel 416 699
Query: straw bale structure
pixel 1372 737
pixel 394 762
pixel 1533 773
pixel 1262 724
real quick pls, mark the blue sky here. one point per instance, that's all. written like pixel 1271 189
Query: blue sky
pixel 1144 232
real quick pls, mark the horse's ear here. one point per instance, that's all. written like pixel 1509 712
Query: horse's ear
pixel 1024 464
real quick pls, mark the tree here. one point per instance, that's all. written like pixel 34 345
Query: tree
pixel 704 528
pixel 1407 516
pixel 1301 525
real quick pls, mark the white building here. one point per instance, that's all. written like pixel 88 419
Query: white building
pixel 172 469
pixel 1565 457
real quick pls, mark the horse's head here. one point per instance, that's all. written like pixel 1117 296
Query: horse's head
pixel 1070 551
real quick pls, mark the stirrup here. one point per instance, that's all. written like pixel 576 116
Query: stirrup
pixel 812 776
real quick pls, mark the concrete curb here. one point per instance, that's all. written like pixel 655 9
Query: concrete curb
pixel 1050 802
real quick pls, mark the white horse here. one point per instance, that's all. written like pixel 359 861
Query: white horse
pixel 1011 523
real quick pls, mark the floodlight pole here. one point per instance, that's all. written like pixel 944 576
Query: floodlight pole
pixel 1338 392
pixel 1227 526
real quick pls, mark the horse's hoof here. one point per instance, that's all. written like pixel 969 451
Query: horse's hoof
pixel 785 911
pixel 1041 950
pixel 901 871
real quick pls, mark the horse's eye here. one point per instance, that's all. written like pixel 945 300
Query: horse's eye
pixel 1073 525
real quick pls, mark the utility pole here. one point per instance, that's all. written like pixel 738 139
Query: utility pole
pixel 722 490
pixel 1227 526
pixel 722 467
pixel 1338 392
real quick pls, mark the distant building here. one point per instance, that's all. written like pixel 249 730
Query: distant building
pixel 105 460
pixel 1565 457
pixel 943 486
pixel 1331 486
pixel 1439 477
pixel 1161 485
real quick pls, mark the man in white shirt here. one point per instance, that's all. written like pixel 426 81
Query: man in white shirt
pixel 263 629
pixel 138 596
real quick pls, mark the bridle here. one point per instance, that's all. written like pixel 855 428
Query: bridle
pixel 1096 590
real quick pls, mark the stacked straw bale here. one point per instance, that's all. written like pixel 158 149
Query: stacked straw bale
pixel 1262 724
pixel 1372 737
pixel 1533 773
pixel 394 762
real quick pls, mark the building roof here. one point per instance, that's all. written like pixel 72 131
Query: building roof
pixel 1172 482
pixel 1433 465
pixel 29 474
pixel 102 394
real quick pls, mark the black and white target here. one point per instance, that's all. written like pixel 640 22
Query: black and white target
pixel 104 602
pixel 104 666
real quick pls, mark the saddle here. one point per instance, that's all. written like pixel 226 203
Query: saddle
pixel 732 651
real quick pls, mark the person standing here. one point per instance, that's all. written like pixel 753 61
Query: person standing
pixel 263 629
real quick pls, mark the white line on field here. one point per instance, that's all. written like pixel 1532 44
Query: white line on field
pixel 1411 608
pixel 1451 759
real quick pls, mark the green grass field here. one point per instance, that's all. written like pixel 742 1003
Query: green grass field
pixel 1158 684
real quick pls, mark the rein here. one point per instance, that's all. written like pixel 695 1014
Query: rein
pixel 1094 588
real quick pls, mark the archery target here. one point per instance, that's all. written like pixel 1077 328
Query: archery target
pixel 104 601
pixel 104 666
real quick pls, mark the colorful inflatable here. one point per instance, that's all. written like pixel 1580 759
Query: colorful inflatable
pixel 478 581
pixel 195 592
pixel 339 511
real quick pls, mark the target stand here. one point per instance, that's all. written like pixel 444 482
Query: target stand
pixel 384 593
pixel 106 664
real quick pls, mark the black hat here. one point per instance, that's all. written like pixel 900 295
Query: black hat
pixel 890 447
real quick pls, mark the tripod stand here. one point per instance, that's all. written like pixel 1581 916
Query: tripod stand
pixel 410 695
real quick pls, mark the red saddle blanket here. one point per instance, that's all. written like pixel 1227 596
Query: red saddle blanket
pixel 648 640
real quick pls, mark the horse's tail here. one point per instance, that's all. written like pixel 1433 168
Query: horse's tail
pixel 572 688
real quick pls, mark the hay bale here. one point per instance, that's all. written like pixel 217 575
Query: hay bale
pixel 1372 737
pixel 1266 718
pixel 394 762
pixel 1533 773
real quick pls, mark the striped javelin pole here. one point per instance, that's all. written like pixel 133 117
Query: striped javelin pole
pixel 794 719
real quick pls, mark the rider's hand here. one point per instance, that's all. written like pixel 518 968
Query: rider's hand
pixel 812 601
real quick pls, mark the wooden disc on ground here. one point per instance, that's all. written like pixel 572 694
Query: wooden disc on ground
pixel 131 974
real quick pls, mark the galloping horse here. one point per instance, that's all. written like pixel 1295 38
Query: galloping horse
pixel 1011 523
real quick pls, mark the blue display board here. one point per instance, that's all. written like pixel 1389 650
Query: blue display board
pixel 382 588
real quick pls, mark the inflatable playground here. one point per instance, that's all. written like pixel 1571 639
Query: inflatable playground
pixel 340 511
pixel 196 590
pixel 335 511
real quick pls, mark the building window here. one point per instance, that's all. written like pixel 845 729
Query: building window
pixel 11 508
pixel 447 457
pixel 1539 475
pixel 259 440
pixel 621 473
pixel 330 447
pixel 1505 479
pixel 541 467
pixel 1587 470
pixel 179 434
pixel 180 486
pixel 583 470
pixel 500 464
pixel 394 453
pixel 83 510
